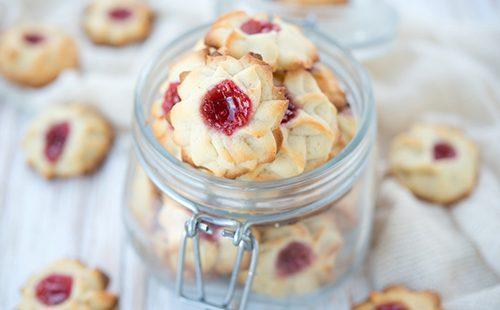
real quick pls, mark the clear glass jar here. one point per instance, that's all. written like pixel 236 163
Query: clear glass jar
pixel 367 27
pixel 298 237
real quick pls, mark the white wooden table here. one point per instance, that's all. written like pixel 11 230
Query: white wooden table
pixel 42 221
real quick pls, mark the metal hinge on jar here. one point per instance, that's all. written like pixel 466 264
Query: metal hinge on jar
pixel 241 237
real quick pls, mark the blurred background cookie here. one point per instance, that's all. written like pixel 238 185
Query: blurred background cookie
pixel 34 55
pixel 118 22
pixel 67 140
pixel 401 298
pixel 67 284
pixel 436 162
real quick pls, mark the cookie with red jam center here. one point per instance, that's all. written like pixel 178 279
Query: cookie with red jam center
pixel 67 284
pixel 228 114
pixel 35 55
pixel 118 22
pixel 280 44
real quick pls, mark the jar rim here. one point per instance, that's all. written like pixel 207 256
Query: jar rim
pixel 143 129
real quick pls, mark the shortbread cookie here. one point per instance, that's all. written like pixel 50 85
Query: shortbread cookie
pixel 218 254
pixel 145 199
pixel 329 85
pixel 118 22
pixel 67 140
pixel 67 284
pixel 169 96
pixel 227 115
pixel 295 259
pixel 437 163
pixel 282 45
pixel 401 298
pixel 34 55
pixel 308 129
pixel 347 127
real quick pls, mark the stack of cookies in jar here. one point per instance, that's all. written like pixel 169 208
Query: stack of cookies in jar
pixel 250 101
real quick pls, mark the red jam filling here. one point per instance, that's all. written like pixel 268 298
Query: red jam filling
pixel 54 289
pixel 120 14
pixel 392 306
pixel 55 138
pixel 253 26
pixel 171 97
pixel 33 38
pixel 294 258
pixel 444 150
pixel 291 110
pixel 226 107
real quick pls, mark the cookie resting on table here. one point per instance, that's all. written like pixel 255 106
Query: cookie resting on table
pixel 228 113
pixel 34 55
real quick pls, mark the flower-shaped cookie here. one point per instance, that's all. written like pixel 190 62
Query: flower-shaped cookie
pixel 401 298
pixel 296 259
pixel 145 199
pixel 329 85
pixel 160 111
pixel 67 140
pixel 34 55
pixel 280 44
pixel 227 115
pixel 67 284
pixel 308 130
pixel 118 22
pixel 218 254
pixel 437 163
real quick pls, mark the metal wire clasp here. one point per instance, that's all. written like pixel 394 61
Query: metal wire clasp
pixel 241 237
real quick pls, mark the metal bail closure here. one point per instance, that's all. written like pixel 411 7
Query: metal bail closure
pixel 241 237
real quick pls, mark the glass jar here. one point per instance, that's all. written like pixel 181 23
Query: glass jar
pixel 367 27
pixel 229 243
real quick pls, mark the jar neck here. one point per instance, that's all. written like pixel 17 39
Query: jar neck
pixel 276 200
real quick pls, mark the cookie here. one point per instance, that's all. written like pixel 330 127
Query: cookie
pixel 347 127
pixel 169 96
pixel 218 254
pixel 145 199
pixel 401 298
pixel 118 22
pixel 315 2
pixel 227 115
pixel 308 130
pixel 280 44
pixel 67 140
pixel 436 162
pixel 295 259
pixel 34 55
pixel 329 85
pixel 67 284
